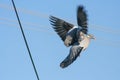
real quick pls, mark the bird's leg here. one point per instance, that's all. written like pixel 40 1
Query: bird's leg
pixel 68 41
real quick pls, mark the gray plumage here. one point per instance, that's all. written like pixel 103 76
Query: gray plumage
pixel 73 54
pixel 76 37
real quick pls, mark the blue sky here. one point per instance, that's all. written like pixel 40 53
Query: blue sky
pixel 99 62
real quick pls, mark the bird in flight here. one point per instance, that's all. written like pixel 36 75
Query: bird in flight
pixel 75 36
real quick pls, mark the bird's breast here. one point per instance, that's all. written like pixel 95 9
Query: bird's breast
pixel 84 43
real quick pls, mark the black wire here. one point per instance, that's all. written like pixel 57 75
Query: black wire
pixel 25 40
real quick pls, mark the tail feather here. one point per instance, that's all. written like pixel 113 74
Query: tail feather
pixel 74 53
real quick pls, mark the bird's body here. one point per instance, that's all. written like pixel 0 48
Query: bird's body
pixel 73 36
pixel 84 42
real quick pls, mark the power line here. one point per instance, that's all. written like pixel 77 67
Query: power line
pixel 26 23
pixel 43 29
pixel 30 28
pixel 99 39
pixel 104 29
pixel 25 40
pixel 38 14
pixel 34 13
pixel 108 42
pixel 92 26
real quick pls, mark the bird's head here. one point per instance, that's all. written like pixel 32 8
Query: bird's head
pixel 91 36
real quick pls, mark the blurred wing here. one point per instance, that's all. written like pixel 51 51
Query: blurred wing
pixel 60 26
pixel 82 18
pixel 74 53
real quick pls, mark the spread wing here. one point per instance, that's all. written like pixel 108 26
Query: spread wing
pixel 82 19
pixel 60 26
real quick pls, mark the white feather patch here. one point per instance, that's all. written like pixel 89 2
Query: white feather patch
pixel 72 29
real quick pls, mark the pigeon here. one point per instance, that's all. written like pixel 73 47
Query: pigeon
pixel 76 37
